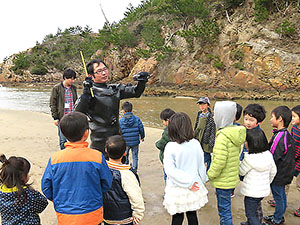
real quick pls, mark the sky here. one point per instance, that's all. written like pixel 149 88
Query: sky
pixel 24 22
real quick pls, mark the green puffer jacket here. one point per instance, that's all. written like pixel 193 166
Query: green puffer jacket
pixel 224 169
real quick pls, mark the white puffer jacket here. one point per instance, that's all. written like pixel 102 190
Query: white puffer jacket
pixel 259 171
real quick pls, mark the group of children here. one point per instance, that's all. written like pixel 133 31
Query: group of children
pixel 109 191
pixel 84 188
pixel 239 153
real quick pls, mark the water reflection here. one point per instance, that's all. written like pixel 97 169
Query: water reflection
pixel 147 108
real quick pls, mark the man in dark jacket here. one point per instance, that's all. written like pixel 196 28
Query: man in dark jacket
pixel 100 101
pixel 132 130
pixel 62 99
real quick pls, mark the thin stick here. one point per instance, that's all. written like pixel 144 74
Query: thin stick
pixel 86 73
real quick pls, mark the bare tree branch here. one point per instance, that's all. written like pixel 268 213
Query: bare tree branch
pixel 105 16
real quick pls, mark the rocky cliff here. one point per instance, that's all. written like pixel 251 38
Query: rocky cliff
pixel 249 60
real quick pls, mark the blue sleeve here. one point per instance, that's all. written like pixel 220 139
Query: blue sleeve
pixel 47 187
pixel 105 176
pixel 141 128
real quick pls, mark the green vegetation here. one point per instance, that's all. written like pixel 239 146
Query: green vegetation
pixel 286 28
pixel 229 4
pixel 39 70
pixel 151 34
pixel 150 29
pixel 261 9
pixel 239 65
pixel 237 54
pixel 217 63
pixel 21 62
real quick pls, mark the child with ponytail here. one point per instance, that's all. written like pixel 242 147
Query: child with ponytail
pixel 19 202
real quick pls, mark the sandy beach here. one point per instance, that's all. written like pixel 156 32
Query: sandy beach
pixel 33 135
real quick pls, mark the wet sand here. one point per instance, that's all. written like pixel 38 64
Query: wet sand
pixel 34 136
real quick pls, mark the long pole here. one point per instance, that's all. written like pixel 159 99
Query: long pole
pixel 86 73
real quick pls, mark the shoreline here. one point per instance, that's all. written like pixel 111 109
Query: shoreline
pixel 189 91
pixel 34 136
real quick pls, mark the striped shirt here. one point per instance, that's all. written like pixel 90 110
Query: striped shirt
pixel 69 104
pixel 296 135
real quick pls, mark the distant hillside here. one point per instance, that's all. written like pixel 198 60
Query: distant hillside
pixel 223 48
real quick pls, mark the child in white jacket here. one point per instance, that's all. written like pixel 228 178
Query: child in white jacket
pixel 258 169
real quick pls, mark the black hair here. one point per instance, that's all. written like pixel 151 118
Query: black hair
pixel 115 146
pixel 255 110
pixel 13 173
pixel 68 73
pixel 166 114
pixel 90 65
pixel 239 110
pixel 296 110
pixel 73 126
pixel 257 141
pixel 180 128
pixel 285 113
pixel 127 107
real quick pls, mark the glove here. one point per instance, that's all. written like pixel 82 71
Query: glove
pixel 87 84
pixel 141 76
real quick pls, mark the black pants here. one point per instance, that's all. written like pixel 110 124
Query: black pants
pixel 177 219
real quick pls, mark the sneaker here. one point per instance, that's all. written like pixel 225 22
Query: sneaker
pixel 297 212
pixel 272 202
pixel 269 220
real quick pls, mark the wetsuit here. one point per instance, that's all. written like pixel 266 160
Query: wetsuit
pixel 103 109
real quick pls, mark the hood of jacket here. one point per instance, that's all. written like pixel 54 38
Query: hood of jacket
pixel 129 119
pixel 224 113
pixel 260 161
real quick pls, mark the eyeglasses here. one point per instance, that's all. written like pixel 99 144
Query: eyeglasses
pixel 101 70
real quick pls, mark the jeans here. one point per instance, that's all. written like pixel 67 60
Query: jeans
pixel 251 205
pixel 279 196
pixel 135 157
pixel 224 205
pixel 207 160
pixel 62 138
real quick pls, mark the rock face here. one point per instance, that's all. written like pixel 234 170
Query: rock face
pixel 247 57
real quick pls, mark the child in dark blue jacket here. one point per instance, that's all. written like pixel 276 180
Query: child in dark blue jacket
pixel 123 203
pixel 282 146
pixel 132 130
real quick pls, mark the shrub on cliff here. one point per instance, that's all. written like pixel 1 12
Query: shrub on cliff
pixel 39 70
pixel 21 62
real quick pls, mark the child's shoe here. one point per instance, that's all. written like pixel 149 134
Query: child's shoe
pixel 272 202
pixel 269 220
pixel 297 212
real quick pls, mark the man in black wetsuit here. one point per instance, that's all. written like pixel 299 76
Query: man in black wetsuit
pixel 103 108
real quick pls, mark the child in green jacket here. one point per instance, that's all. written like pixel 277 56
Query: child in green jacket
pixel 223 173
pixel 161 143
